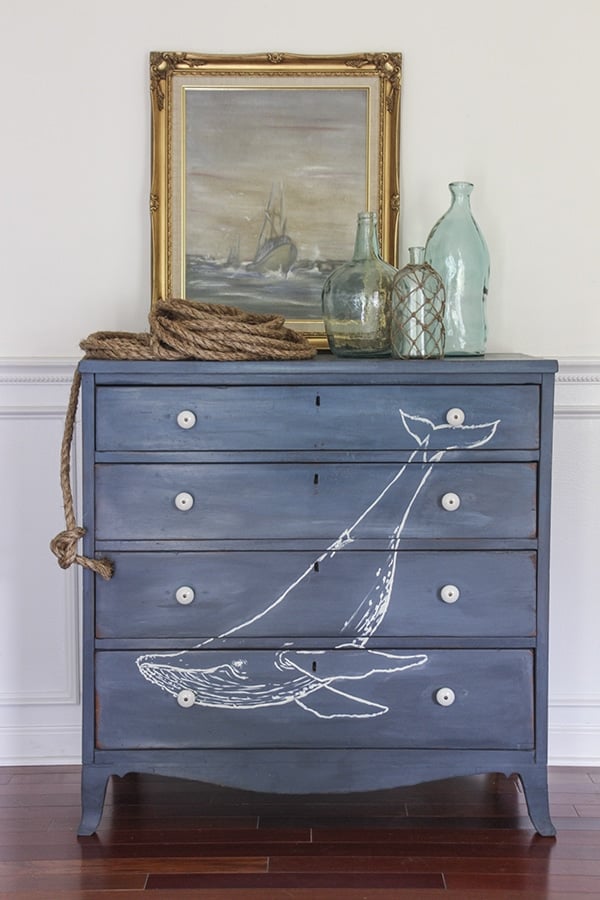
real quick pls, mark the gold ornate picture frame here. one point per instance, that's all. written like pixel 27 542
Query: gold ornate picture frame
pixel 260 165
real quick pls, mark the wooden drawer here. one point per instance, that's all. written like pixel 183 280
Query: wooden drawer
pixel 290 595
pixel 319 501
pixel 304 418
pixel 298 699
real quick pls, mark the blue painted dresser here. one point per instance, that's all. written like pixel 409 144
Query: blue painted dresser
pixel 330 575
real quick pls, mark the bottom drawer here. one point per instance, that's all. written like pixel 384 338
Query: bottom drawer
pixel 332 698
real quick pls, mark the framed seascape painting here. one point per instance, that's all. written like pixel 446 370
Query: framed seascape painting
pixel 260 166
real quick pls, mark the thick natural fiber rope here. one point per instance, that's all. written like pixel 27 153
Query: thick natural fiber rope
pixel 64 545
pixel 183 329
pixel 179 329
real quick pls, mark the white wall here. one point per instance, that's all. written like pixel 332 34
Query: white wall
pixel 502 94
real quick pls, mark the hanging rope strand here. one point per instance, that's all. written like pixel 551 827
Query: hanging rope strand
pixel 64 545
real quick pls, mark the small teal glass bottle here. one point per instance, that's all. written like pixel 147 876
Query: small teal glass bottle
pixel 357 297
pixel 457 250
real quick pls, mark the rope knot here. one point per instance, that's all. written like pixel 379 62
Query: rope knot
pixel 64 546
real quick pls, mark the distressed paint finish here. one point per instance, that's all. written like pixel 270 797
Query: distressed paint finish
pixel 311 500
pixel 497 594
pixel 374 680
pixel 304 418
pixel 381 699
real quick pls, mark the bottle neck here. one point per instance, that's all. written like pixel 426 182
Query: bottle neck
pixel 461 192
pixel 366 245
pixel 416 255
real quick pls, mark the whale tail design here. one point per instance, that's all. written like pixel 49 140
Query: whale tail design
pixel 447 437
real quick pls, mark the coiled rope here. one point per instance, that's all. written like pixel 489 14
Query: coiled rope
pixel 179 330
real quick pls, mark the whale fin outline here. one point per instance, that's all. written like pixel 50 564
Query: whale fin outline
pixel 347 705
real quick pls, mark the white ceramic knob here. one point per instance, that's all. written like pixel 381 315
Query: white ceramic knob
pixel 450 501
pixel 184 501
pixel 445 696
pixel 455 416
pixel 449 593
pixel 186 419
pixel 186 699
pixel 184 595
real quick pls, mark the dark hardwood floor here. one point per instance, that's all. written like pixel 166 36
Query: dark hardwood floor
pixel 465 839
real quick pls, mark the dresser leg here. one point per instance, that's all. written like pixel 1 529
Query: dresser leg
pixel 94 780
pixel 535 786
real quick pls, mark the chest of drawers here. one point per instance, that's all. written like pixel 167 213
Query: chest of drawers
pixel 330 576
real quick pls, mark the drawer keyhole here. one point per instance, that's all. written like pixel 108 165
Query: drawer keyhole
pixel 318 400
pixel 314 665
pixel 316 478
pixel 316 566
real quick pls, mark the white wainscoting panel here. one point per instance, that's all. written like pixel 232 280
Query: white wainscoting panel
pixel 41 611
pixel 574 713
pixel 39 603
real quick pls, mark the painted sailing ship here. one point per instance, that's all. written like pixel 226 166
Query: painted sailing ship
pixel 275 251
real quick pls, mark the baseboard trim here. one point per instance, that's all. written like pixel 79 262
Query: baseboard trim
pixel 564 740
pixel 40 745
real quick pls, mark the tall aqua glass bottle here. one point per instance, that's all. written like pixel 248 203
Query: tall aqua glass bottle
pixel 457 250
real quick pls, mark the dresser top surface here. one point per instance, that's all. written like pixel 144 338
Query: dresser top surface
pixel 325 364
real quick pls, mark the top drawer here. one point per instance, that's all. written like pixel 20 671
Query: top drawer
pixel 381 417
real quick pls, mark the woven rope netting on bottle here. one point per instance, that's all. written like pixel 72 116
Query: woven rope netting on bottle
pixel 179 330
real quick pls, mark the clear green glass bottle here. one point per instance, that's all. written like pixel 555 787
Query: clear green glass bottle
pixel 418 300
pixel 457 250
pixel 357 297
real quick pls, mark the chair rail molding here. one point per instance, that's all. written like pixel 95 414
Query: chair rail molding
pixel 578 370
pixel 35 370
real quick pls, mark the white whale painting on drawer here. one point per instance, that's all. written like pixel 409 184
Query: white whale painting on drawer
pixel 320 681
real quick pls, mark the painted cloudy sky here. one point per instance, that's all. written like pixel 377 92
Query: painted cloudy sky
pixel 239 142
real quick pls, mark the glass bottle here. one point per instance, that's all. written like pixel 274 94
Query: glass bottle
pixel 457 250
pixel 418 301
pixel 357 297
